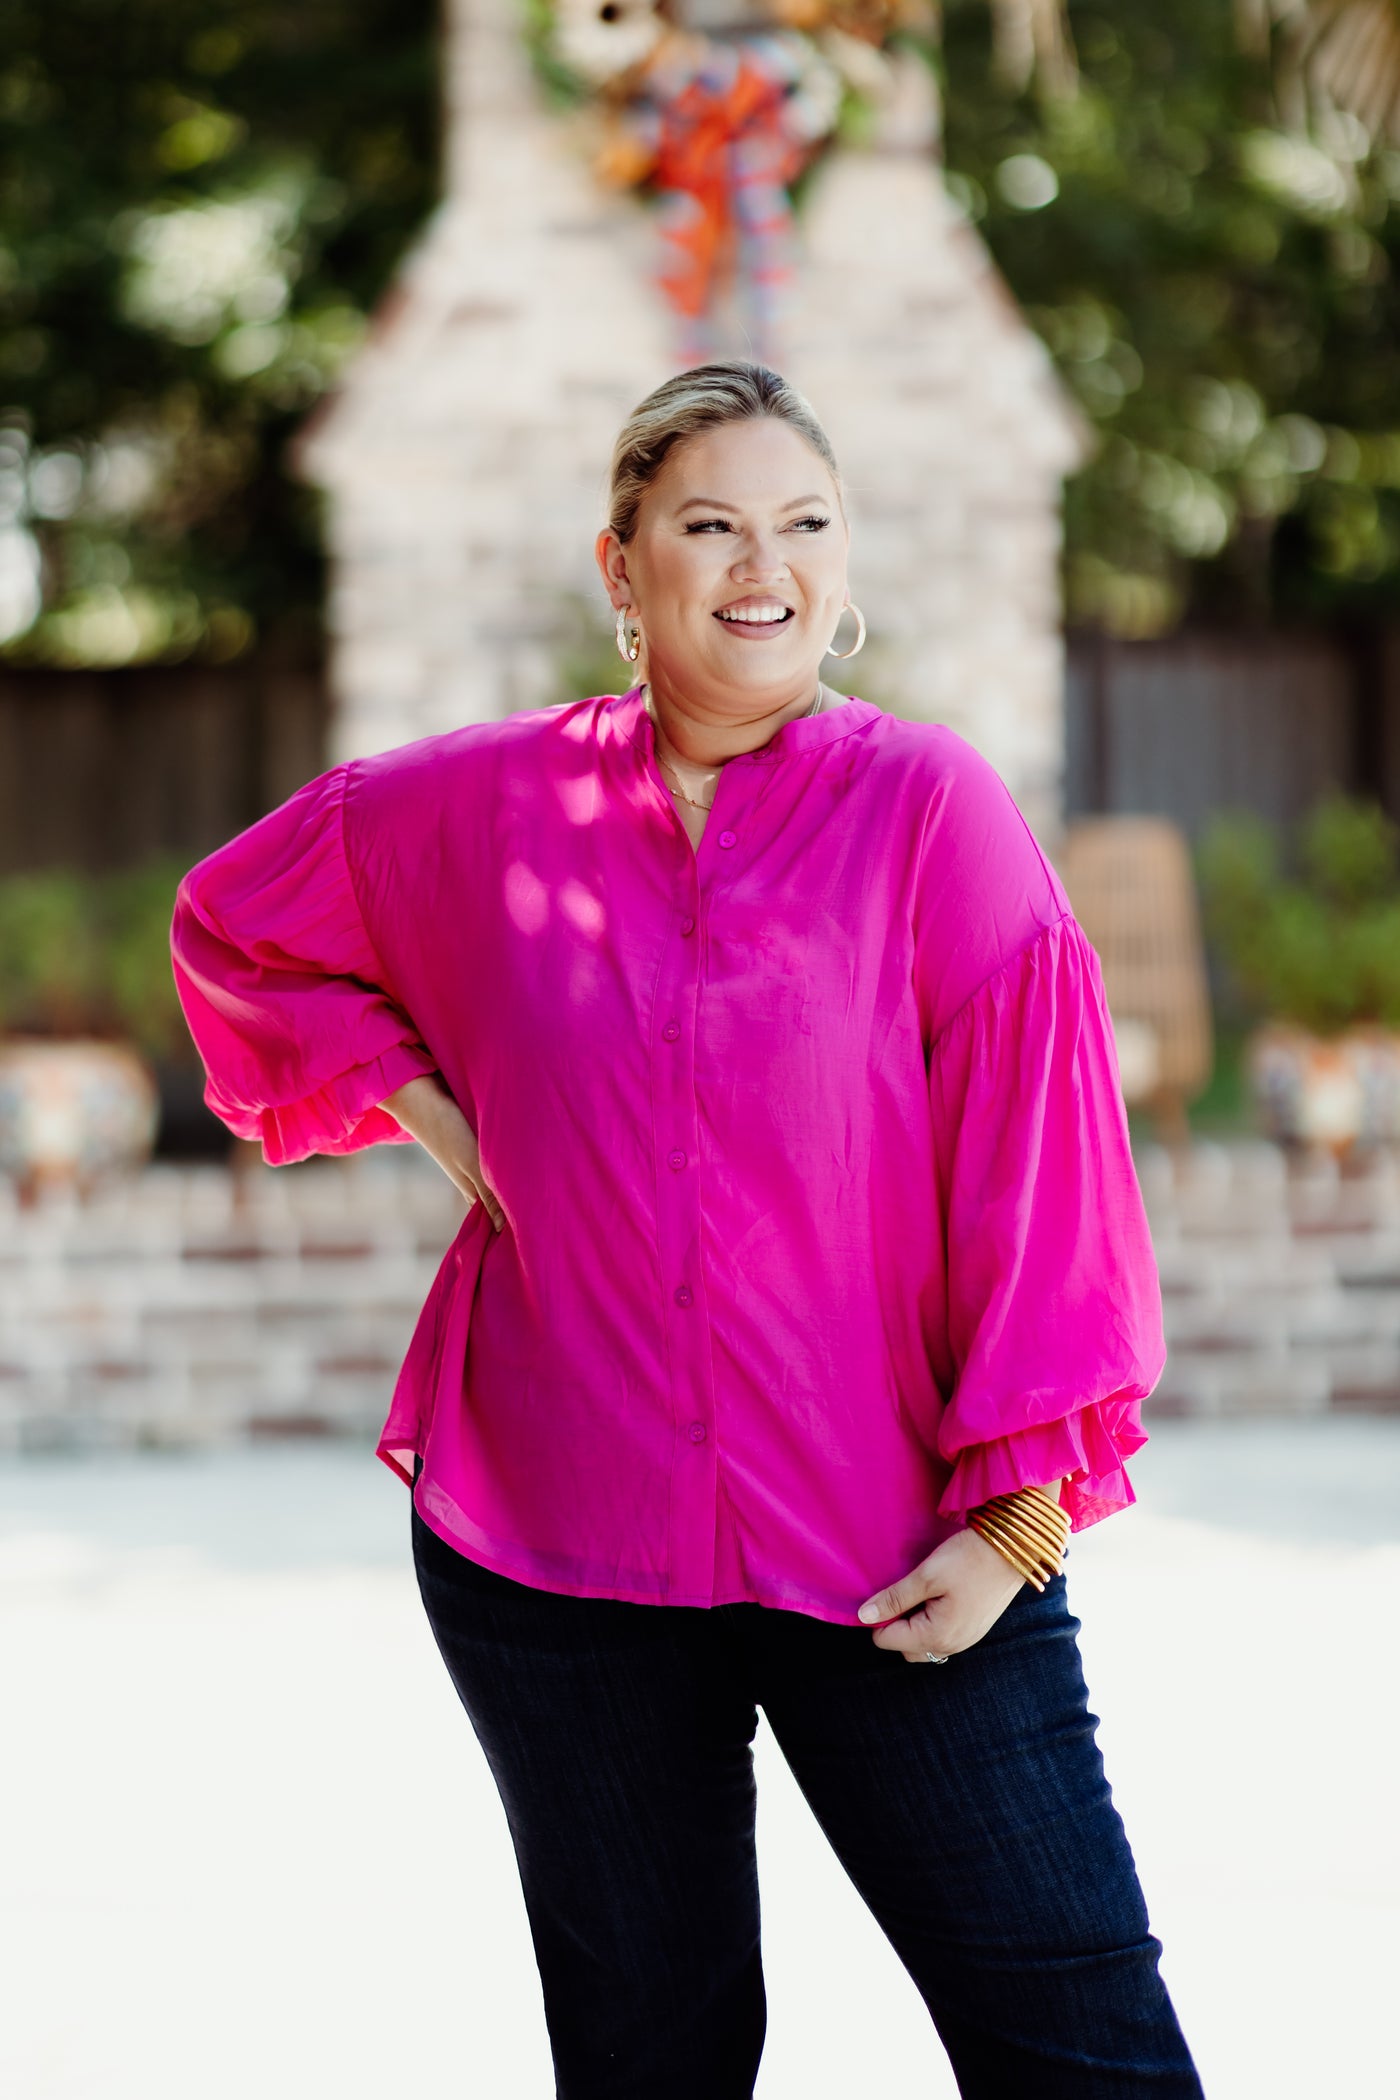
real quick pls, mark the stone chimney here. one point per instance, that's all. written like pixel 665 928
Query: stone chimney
pixel 464 455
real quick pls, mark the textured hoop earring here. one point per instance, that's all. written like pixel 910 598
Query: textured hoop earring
pixel 629 646
pixel 858 644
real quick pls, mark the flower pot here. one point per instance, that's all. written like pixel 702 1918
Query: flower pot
pixel 1334 1091
pixel 72 1112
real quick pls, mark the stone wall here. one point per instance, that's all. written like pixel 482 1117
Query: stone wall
pixel 195 1306
pixel 1280 1280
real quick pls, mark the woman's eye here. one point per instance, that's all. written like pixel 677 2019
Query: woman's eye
pixel 813 524
pixel 709 525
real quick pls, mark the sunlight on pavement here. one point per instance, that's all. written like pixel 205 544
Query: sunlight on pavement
pixel 253 1846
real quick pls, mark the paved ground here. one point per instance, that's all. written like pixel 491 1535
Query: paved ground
pixel 223 1709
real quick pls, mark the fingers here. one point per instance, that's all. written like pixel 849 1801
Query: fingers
pixel 925 1628
pixel 476 1186
pixel 929 1631
pixel 947 1603
pixel 901 1597
pixel 470 1179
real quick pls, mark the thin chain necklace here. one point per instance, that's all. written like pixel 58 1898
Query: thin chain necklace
pixel 668 766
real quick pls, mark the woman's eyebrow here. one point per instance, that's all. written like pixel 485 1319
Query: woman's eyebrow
pixel 714 503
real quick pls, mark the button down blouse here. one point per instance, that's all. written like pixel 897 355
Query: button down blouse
pixel 822 1223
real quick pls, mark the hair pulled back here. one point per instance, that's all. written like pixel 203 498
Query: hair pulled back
pixel 704 398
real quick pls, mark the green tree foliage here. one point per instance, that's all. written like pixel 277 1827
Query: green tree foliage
pixel 200 200
pixel 1218 290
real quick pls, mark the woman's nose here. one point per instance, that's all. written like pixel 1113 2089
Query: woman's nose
pixel 759 561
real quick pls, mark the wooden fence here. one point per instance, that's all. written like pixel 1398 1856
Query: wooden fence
pixel 104 769
pixel 1199 722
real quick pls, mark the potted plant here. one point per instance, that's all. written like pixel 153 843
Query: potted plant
pixel 1316 955
pixel 86 1002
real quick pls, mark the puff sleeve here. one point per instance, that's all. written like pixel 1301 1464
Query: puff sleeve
pixel 286 999
pixel 1055 1327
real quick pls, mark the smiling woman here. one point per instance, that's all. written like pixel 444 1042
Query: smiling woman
pixel 804 1302
pixel 725 558
pixel 702 571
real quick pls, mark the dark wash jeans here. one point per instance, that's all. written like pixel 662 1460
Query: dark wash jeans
pixel 967 1802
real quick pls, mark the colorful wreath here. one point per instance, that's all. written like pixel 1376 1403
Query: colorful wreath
pixel 716 107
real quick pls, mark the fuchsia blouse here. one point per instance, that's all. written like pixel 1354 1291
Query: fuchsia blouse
pixel 822 1220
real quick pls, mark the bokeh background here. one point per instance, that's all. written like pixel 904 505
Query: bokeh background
pixel 315 325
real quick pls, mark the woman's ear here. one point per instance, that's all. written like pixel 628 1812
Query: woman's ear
pixel 611 557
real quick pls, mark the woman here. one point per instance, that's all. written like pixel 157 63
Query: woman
pixel 804 1302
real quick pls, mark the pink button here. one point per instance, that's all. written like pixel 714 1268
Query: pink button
pixel 697 1432
pixel 728 838
pixel 687 928
pixel 671 1031
pixel 675 1161
pixel 683 1294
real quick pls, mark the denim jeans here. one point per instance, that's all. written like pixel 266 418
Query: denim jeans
pixel 967 1802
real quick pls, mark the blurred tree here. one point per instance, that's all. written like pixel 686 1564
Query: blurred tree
pixel 1217 286
pixel 199 202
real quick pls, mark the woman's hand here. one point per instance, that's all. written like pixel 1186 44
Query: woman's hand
pixel 426 1110
pixel 955 1596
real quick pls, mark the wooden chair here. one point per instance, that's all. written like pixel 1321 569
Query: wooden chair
pixel 1131 886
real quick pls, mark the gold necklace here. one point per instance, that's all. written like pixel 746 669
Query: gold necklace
pixel 680 792
pixel 667 765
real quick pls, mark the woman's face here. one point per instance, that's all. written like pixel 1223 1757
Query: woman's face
pixel 736 572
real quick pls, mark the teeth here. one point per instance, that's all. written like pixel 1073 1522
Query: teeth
pixel 757 616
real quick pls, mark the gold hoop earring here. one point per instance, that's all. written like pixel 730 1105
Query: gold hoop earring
pixel 858 644
pixel 629 646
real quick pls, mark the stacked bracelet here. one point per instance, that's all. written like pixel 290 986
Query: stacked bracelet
pixel 1027 1529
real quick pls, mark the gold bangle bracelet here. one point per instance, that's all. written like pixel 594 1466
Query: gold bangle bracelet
pixel 1031 1564
pixel 1028 1529
pixel 1030 1535
pixel 1029 1520
pixel 1038 1543
pixel 1046 1517
pixel 1007 1546
pixel 1006 1528
pixel 1036 1507
pixel 1031 1502
pixel 1033 1512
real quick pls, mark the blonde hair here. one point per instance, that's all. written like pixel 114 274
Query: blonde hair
pixel 704 398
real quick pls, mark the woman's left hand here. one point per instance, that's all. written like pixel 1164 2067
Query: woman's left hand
pixel 955 1596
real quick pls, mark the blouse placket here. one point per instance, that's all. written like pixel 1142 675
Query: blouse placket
pixel 706 872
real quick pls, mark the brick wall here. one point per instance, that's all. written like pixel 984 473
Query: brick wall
pixel 196 1306
pixel 1280 1280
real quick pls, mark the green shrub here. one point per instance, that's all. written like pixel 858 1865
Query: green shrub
pixel 1322 948
pixel 90 955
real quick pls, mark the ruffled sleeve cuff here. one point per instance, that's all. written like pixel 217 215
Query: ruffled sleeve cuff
pixel 286 996
pixel 343 1115
pixel 1088 1450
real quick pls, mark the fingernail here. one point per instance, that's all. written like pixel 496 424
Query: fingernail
pixel 500 1222
pixel 869 1611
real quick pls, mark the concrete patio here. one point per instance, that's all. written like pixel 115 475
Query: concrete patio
pixel 225 1713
